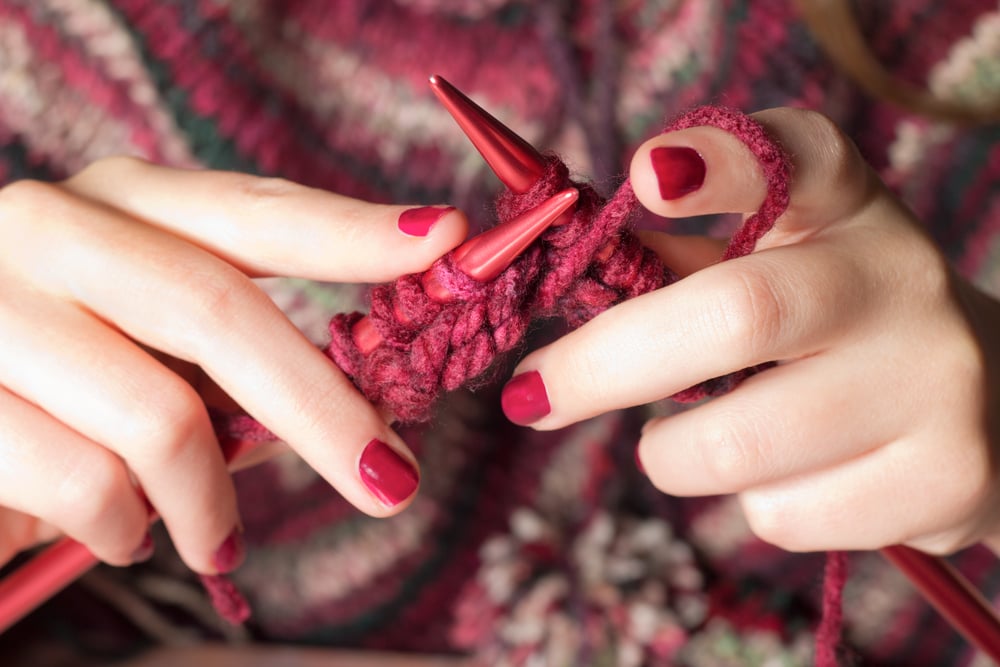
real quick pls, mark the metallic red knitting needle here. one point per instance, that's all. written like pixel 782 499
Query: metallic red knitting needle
pixel 518 165
pixel 952 595
pixel 66 560
pixel 515 162
pixel 483 257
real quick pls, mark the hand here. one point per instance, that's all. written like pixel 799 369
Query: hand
pixel 877 426
pixel 113 280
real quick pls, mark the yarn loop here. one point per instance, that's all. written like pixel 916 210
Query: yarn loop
pixel 574 271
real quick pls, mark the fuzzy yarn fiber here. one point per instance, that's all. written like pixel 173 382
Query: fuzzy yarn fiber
pixel 432 347
pixel 334 95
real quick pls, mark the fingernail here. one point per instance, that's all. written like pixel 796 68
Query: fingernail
pixel 418 221
pixel 390 477
pixel 524 400
pixel 679 170
pixel 230 553
pixel 144 551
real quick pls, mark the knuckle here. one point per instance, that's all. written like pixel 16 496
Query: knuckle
pixel 588 370
pixel 838 152
pixel 107 167
pixel 750 312
pixel 162 427
pixel 262 192
pixel 89 493
pixel 840 165
pixel 27 197
pixel 211 300
pixel 772 521
pixel 731 452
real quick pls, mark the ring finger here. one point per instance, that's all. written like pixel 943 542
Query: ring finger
pixel 103 386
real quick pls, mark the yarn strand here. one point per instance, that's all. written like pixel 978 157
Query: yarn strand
pixel 574 271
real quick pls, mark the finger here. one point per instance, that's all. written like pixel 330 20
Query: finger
pixel 20 531
pixel 683 254
pixel 268 226
pixel 666 170
pixel 770 428
pixel 190 304
pixel 781 304
pixel 106 388
pixel 51 472
pixel 891 495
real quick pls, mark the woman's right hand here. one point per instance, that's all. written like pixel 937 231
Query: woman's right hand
pixel 111 282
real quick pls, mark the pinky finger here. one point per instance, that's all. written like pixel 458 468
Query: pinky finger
pixel 51 472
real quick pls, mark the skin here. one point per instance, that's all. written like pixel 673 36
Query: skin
pixel 147 295
pixel 876 427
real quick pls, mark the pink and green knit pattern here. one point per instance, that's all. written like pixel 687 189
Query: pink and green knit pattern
pixel 521 544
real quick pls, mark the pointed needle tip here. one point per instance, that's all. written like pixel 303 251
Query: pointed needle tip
pixel 486 256
pixel 514 161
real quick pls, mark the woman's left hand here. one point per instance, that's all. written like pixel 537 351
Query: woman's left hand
pixel 876 427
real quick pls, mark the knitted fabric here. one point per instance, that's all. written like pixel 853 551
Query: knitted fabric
pixel 334 95
pixel 430 347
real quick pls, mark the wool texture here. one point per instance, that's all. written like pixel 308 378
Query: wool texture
pixel 334 95
pixel 226 598
pixel 828 633
pixel 430 348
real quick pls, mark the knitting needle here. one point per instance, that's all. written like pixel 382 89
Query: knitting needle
pixel 66 560
pixel 518 166
pixel 952 595
pixel 515 162
pixel 482 258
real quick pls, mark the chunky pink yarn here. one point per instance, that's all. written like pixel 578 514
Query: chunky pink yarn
pixel 574 271
pixel 229 603
pixel 829 630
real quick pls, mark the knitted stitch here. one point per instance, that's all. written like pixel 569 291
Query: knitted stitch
pixel 334 95
pixel 431 347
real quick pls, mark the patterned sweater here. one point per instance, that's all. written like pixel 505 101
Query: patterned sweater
pixel 520 544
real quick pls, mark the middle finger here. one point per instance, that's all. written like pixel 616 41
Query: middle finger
pixel 184 301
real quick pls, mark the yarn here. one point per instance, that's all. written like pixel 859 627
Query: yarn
pixel 828 632
pixel 575 271
pixel 630 582
pixel 229 603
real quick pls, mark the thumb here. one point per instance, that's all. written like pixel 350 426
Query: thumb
pixel 703 170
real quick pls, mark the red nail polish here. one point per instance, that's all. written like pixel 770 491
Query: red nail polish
pixel 418 221
pixel 144 551
pixel 230 553
pixel 679 170
pixel 524 400
pixel 388 475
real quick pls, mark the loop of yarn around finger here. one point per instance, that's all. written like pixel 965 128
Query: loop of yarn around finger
pixel 574 271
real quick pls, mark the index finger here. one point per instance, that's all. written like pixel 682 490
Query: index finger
pixel 270 226
pixel 777 304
